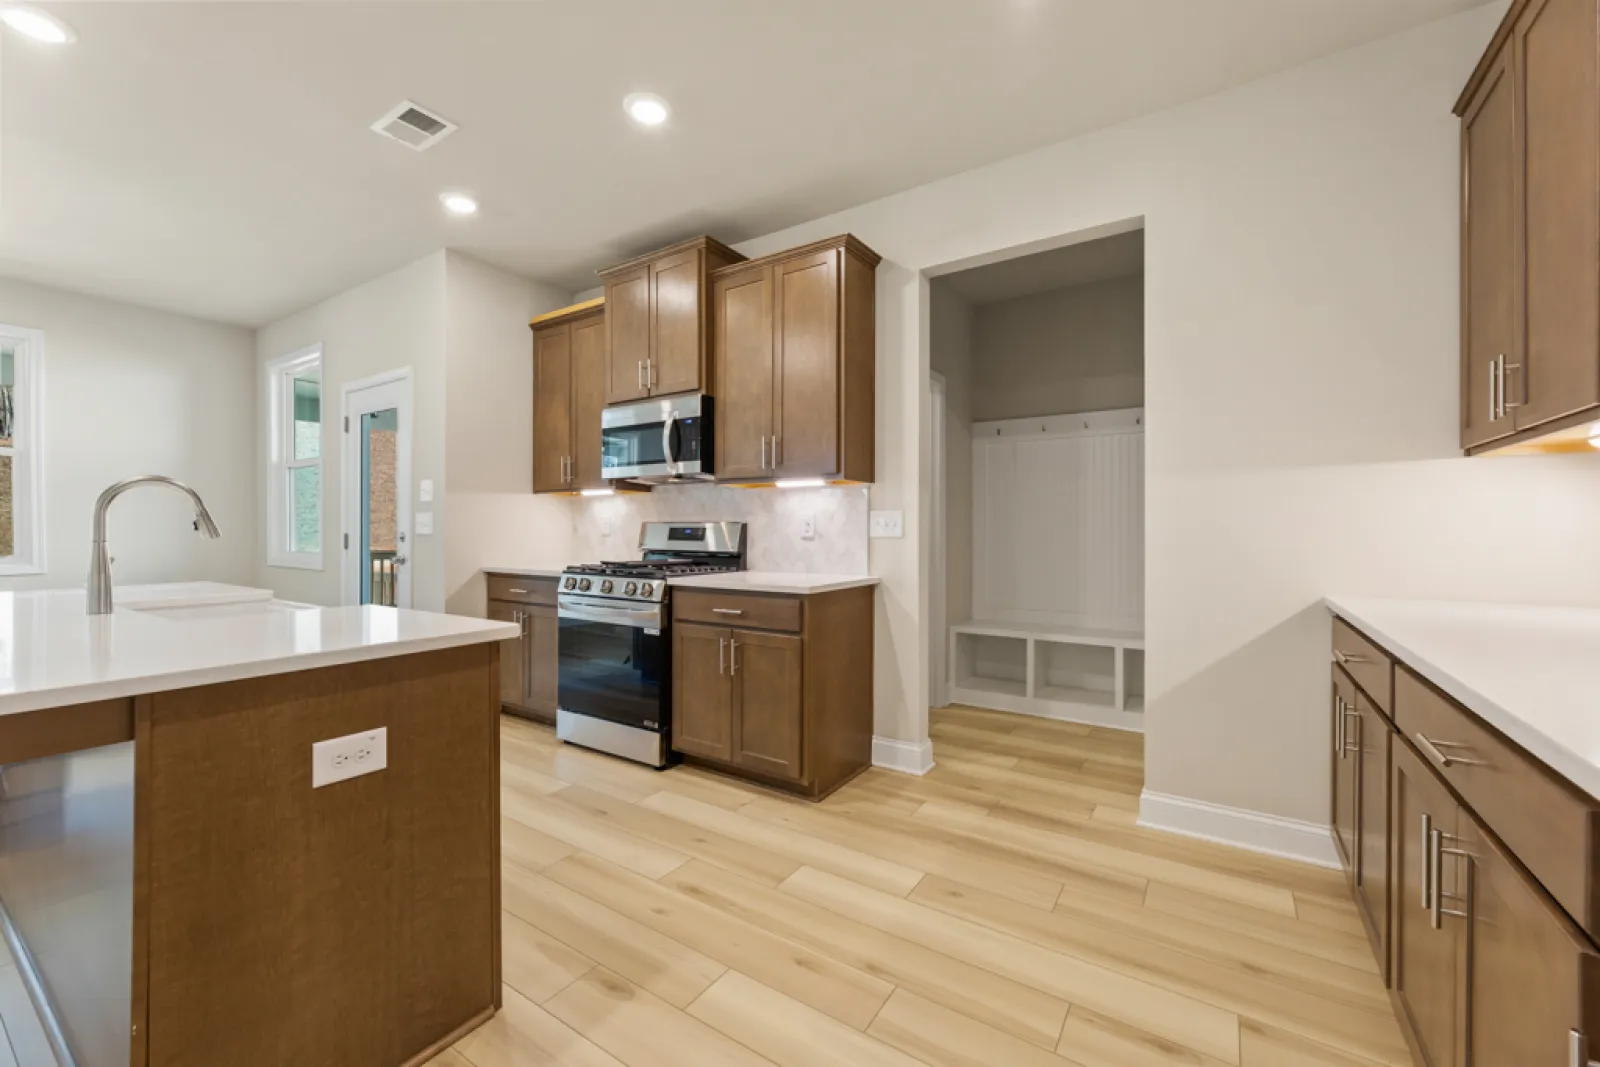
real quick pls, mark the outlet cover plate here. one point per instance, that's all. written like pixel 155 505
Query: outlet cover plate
pixel 351 756
pixel 887 524
pixel 808 528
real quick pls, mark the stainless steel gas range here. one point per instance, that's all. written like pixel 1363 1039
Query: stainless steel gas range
pixel 615 673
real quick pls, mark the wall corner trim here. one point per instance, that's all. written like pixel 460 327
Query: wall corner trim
pixel 907 757
pixel 1292 839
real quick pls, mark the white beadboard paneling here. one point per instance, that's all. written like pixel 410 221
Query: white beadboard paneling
pixel 1058 519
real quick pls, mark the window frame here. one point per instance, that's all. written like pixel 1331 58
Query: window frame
pixel 27 454
pixel 281 373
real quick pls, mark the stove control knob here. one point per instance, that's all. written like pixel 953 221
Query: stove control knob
pixel 583 585
pixel 605 586
pixel 569 583
pixel 646 589
pixel 631 588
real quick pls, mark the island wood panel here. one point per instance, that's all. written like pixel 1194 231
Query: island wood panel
pixel 356 924
pixel 32 735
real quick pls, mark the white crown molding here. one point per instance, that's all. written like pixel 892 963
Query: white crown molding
pixel 1273 835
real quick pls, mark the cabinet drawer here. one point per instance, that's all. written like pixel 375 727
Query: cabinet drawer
pixel 521 590
pixel 1368 664
pixel 1545 823
pixel 736 609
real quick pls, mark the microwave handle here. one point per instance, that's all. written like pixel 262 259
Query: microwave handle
pixel 666 442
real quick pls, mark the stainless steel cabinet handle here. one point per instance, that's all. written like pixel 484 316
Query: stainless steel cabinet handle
pixel 1427 862
pixel 1359 819
pixel 722 652
pixel 1434 864
pixel 763 452
pixel 733 657
pixel 1494 401
pixel 650 373
pixel 775 459
pixel 1504 403
pixel 726 611
pixel 1438 851
pixel 1432 749
pixel 638 375
pixel 1578 1050
pixel 1338 725
pixel 1347 658
pixel 1350 710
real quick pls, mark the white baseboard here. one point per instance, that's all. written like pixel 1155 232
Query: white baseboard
pixel 1291 839
pixel 907 757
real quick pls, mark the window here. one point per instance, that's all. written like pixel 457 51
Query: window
pixel 21 451
pixel 294 389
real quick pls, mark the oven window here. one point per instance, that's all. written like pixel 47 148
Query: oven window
pixel 613 672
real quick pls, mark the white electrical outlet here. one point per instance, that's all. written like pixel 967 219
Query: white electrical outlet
pixel 425 491
pixel 808 528
pixel 349 757
pixel 605 526
pixel 886 524
pixel 423 522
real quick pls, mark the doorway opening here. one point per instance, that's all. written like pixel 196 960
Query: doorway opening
pixel 1037 494
pixel 377 491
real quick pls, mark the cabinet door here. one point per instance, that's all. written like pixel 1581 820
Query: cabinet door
pixel 1557 99
pixel 702 691
pixel 1532 974
pixel 677 323
pixel 543 639
pixel 1346 765
pixel 627 334
pixel 513 656
pixel 806 314
pixel 1372 826
pixel 1426 979
pixel 767 703
pixel 588 400
pixel 1489 270
pixel 552 408
pixel 743 304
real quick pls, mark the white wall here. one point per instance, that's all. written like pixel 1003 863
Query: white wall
pixel 130 391
pixel 950 353
pixel 1080 348
pixel 490 516
pixel 1301 386
pixel 397 320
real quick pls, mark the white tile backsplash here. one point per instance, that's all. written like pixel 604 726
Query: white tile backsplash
pixel 775 517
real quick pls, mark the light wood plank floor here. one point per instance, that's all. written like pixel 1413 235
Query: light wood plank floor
pixel 1004 910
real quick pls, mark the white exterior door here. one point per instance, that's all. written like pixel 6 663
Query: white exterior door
pixel 376 556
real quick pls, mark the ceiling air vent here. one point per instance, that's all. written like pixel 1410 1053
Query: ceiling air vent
pixel 414 126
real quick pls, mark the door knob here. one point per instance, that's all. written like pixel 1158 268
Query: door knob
pixel 400 561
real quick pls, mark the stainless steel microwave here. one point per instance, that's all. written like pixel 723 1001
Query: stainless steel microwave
pixel 659 440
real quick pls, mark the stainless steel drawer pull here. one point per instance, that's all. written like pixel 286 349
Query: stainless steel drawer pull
pixel 515 590
pixel 726 611
pixel 1427 863
pixel 1346 658
pixel 1432 749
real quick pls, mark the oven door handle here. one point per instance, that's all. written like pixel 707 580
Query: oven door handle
pixel 667 450
pixel 644 617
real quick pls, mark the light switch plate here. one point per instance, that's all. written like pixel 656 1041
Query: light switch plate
pixel 425 491
pixel 350 756
pixel 808 528
pixel 423 523
pixel 887 524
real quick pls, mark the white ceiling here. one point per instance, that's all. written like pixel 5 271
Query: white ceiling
pixel 214 158
pixel 1077 264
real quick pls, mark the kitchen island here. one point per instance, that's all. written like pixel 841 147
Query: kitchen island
pixel 177 891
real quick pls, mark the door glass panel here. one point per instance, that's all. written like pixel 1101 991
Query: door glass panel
pixel 380 491
pixel 610 671
pixel 305 503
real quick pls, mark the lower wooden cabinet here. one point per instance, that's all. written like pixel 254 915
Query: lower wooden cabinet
pixel 1485 968
pixel 783 695
pixel 528 665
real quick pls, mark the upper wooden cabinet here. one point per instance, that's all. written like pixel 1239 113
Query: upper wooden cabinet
pixel 1530 231
pixel 568 395
pixel 658 330
pixel 796 364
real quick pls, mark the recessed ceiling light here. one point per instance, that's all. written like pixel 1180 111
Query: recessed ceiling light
pixel 31 22
pixel 458 203
pixel 647 109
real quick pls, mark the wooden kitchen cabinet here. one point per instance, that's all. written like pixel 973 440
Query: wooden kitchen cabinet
pixel 528 665
pixel 1530 231
pixel 780 692
pixel 796 364
pixel 1346 765
pixel 1373 742
pixel 659 329
pixel 568 396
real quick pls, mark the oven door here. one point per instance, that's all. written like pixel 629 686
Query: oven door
pixel 614 662
pixel 669 438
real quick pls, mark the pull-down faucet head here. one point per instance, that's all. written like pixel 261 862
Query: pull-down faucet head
pixel 100 600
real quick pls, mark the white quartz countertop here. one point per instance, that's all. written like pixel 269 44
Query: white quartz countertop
pixel 1530 672
pixel 526 572
pixel 53 653
pixel 773 582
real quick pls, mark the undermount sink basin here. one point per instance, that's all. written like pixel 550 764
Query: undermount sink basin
pixel 222 611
